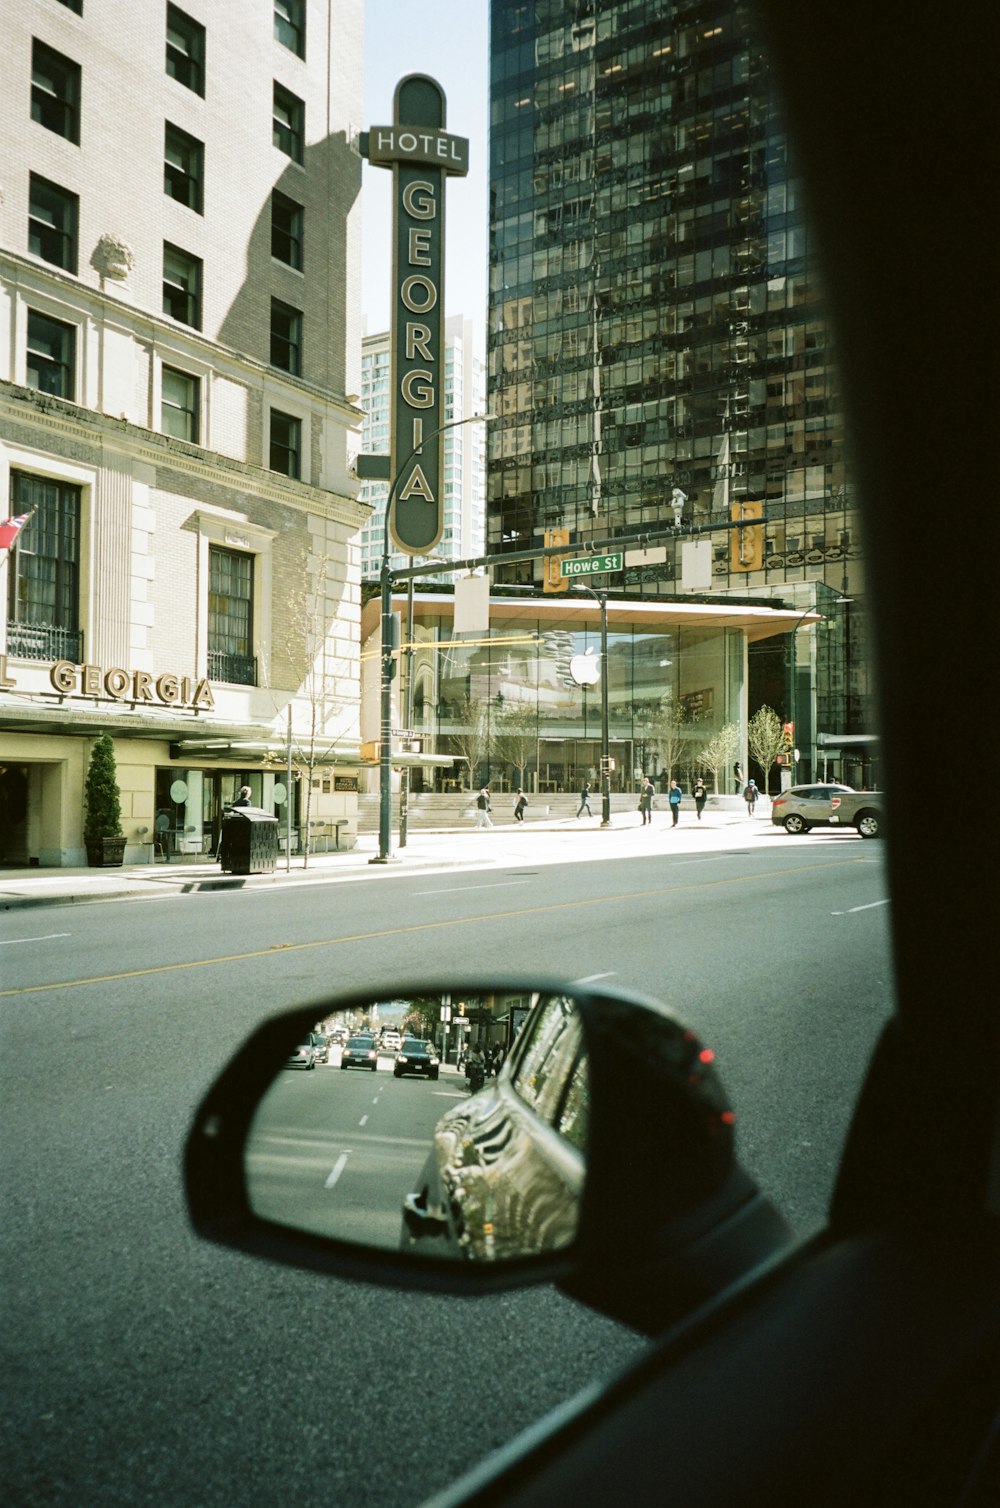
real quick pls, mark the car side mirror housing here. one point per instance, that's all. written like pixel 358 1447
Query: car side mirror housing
pixel 400 1175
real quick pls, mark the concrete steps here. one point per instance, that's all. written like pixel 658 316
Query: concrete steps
pixel 429 810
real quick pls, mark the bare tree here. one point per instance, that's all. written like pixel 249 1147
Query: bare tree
pixel 670 733
pixel 720 750
pixel 473 739
pixel 515 735
pixel 765 739
pixel 322 675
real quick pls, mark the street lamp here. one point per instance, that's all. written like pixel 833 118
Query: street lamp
pixel 602 598
pixel 387 646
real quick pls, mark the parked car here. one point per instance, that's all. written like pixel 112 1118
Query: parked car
pixel 864 1365
pixel 416 1056
pixel 360 1052
pixel 804 806
pixel 303 1054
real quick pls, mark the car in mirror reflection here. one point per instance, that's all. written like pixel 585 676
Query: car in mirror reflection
pixel 360 1052
pixel 303 1054
pixel 506 1172
pixel 416 1057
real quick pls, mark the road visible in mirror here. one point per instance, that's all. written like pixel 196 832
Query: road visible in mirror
pixel 389 1141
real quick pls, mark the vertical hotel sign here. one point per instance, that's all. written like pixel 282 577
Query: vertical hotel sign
pixel 421 154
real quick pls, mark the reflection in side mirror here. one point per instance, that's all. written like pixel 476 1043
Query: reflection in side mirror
pixel 352 1137
pixel 411 1153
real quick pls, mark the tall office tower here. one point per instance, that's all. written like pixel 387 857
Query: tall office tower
pixel 179 285
pixel 657 325
pixel 464 531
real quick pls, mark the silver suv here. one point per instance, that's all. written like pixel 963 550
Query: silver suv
pixel 804 806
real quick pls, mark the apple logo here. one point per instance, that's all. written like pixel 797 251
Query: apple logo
pixel 585 669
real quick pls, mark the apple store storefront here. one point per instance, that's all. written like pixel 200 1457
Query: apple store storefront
pixel 521 703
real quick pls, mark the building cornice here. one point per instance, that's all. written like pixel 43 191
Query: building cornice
pixel 76 423
pixel 155 329
pixel 197 735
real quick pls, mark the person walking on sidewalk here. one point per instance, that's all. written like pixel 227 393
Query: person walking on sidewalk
pixel 646 801
pixel 700 796
pixel 520 803
pixel 483 805
pixel 674 796
pixel 750 797
pixel 585 799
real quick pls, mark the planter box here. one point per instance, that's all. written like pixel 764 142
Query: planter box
pixel 105 853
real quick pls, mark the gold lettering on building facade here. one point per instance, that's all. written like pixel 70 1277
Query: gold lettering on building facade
pixel 120 685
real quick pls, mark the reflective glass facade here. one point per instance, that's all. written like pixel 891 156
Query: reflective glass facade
pixel 656 314
pixel 511 703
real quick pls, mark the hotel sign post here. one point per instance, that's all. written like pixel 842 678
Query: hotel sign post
pixel 421 154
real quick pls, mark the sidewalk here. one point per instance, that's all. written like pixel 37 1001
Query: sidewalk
pixel 555 841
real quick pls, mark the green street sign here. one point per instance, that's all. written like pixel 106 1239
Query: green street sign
pixel 590 565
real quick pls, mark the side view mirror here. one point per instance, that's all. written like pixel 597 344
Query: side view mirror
pixel 598 1153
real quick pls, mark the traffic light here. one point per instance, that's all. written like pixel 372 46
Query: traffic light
pixel 788 735
pixel 390 650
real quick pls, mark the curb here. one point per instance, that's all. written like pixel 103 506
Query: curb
pixel 151 881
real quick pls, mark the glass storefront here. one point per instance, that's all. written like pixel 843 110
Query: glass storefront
pixel 190 804
pixel 523 706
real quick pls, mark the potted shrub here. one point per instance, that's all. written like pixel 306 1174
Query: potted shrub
pixel 102 829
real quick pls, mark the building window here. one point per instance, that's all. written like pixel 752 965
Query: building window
pixel 51 364
pixel 52 222
pixel 180 404
pixel 55 91
pixel 185 50
pixel 286 230
pixel 43 605
pixel 230 617
pixel 183 167
pixel 286 337
pixel 181 286
pixel 289 133
pixel 286 444
pixel 290 25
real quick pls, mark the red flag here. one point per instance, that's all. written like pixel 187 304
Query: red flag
pixel 11 528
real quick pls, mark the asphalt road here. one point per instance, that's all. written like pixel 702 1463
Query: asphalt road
pixel 337 1151
pixel 145 1367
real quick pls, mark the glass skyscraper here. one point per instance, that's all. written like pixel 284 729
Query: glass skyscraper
pixel 657 325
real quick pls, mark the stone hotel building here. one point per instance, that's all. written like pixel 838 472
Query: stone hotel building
pixel 179 371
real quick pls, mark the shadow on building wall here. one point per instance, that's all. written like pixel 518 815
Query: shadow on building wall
pixel 327 187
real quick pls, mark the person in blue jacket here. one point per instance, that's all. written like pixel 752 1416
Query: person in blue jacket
pixel 674 796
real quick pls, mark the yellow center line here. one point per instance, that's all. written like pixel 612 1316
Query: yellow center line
pixel 448 921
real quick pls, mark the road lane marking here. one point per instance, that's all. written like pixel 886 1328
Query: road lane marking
pixel 593 978
pixel 336 1170
pixel 46 937
pixel 871 906
pixel 454 889
pixel 437 925
pixel 363 1121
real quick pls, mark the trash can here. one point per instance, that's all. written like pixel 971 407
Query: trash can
pixel 249 841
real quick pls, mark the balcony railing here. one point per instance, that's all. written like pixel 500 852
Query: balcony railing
pixel 238 670
pixel 36 641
